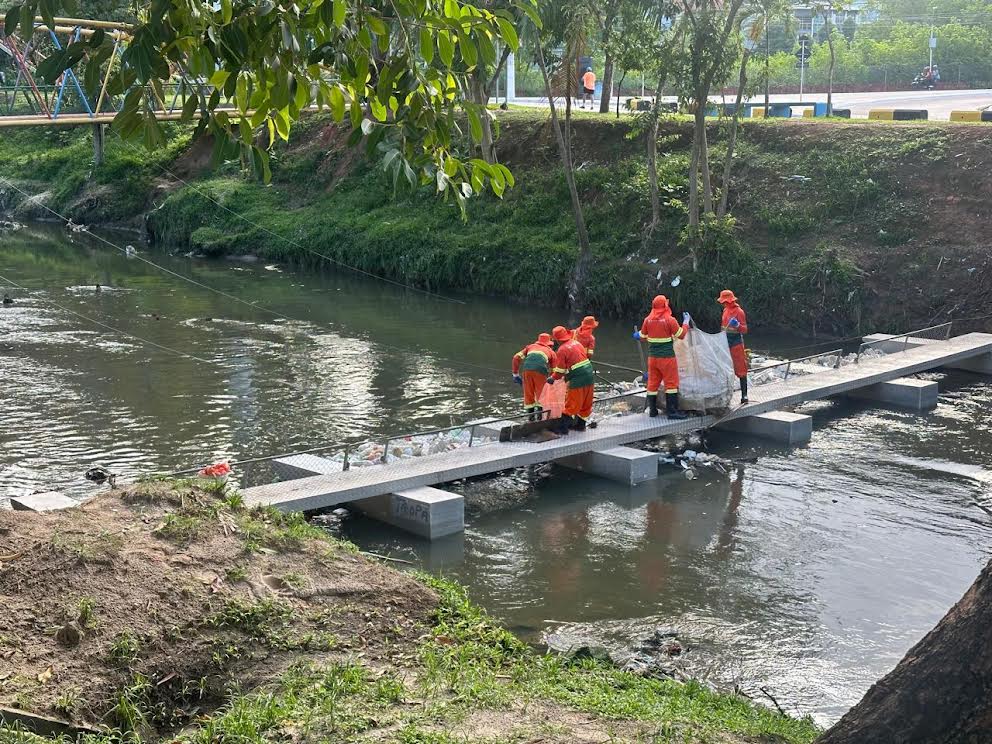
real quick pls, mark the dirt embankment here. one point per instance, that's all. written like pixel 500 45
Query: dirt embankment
pixel 168 611
pixel 143 608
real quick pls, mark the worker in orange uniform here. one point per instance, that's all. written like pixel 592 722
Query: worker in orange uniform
pixel 532 366
pixel 588 86
pixel 573 364
pixel 583 334
pixel 660 330
pixel 734 322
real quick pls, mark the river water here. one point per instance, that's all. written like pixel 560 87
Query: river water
pixel 808 572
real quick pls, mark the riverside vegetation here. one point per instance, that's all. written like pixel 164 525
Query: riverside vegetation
pixel 170 611
pixel 856 226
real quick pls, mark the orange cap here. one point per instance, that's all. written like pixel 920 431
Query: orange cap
pixel 544 338
pixel 590 322
pixel 726 296
pixel 561 334
pixel 660 302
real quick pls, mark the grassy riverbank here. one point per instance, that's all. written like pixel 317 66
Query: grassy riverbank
pixel 882 229
pixel 169 612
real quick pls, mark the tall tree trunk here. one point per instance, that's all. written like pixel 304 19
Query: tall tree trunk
pixel 480 91
pixel 480 95
pixel 694 198
pixel 830 74
pixel 604 99
pixel 940 692
pixel 767 63
pixel 704 167
pixel 732 139
pixel 619 88
pixel 580 273
pixel 694 180
pixel 653 156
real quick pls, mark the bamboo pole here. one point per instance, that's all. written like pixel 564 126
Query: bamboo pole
pixel 106 79
pixel 84 32
pixel 89 23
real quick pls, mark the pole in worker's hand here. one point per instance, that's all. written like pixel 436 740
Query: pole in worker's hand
pixel 640 350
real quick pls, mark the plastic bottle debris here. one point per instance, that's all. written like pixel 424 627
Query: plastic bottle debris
pixel 677 281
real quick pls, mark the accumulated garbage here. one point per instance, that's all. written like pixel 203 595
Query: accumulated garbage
pixel 689 460
pixel 10 225
pixel 375 453
pixel 706 371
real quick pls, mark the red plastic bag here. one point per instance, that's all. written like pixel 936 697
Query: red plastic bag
pixel 553 398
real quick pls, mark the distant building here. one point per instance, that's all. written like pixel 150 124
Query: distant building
pixel 810 21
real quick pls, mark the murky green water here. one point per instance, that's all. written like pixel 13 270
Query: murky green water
pixel 809 572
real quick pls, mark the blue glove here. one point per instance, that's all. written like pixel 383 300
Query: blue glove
pixel 518 379
pixel 637 335
pixel 734 323
pixel 686 318
pixel 550 381
pixel 644 377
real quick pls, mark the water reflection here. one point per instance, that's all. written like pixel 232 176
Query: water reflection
pixel 809 571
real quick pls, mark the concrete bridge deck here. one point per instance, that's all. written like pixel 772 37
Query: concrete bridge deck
pixel 973 351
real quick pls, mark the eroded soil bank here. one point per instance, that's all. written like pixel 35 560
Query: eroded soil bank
pixel 167 611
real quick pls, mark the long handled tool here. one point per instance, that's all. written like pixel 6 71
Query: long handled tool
pixel 640 350
pixel 601 363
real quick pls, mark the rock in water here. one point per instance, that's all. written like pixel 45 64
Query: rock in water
pixel 599 653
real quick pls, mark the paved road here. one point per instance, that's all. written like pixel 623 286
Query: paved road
pixel 939 103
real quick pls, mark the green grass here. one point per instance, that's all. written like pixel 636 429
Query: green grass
pixel 482 654
pixel 125 648
pixel 332 202
pixel 465 663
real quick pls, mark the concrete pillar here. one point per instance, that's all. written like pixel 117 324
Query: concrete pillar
pixel 303 466
pixel 425 512
pixel 98 142
pixel 42 502
pixel 511 78
pixel 916 395
pixel 621 464
pixel 779 426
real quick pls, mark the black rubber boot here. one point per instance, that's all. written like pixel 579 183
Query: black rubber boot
pixel 743 389
pixel 672 406
pixel 579 424
pixel 564 424
pixel 652 405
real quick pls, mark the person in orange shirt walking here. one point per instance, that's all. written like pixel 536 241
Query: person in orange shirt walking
pixel 734 322
pixel 532 367
pixel 588 87
pixel 660 330
pixel 583 334
pixel 573 364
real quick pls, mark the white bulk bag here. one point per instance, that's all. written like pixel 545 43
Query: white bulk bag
pixel 706 371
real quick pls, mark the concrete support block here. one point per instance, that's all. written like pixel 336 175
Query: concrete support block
pixel 980 364
pixel 425 512
pixel 916 395
pixel 303 466
pixel 621 464
pixel 42 502
pixel 778 426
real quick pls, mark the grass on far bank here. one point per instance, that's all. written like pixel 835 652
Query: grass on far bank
pixel 857 233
